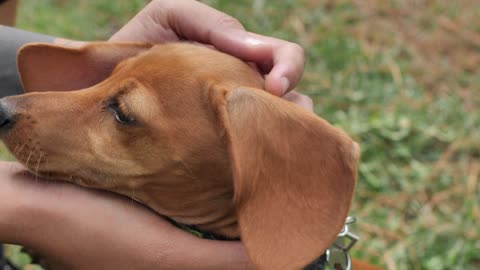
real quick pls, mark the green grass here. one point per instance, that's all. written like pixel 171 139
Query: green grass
pixel 410 102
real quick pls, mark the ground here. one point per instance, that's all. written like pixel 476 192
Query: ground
pixel 400 76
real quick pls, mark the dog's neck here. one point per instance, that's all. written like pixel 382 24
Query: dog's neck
pixel 211 209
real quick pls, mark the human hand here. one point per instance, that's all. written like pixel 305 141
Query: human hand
pixel 292 96
pixel 76 228
pixel 302 100
pixel 173 20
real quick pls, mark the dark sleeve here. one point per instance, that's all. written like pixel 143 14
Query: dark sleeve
pixel 11 39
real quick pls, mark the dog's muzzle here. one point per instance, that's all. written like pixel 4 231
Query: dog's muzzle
pixel 6 117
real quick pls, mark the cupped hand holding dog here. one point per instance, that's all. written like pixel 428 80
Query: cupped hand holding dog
pixel 75 228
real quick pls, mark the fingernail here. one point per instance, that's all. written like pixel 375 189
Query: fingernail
pixel 285 83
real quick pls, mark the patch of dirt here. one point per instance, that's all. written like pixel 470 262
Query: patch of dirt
pixel 439 39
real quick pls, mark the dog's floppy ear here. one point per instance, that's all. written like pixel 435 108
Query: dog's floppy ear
pixel 47 67
pixel 294 176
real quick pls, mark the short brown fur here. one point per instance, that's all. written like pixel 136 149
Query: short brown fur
pixel 207 147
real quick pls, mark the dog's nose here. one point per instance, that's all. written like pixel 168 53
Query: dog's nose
pixel 6 117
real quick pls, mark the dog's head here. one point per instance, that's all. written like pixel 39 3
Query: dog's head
pixel 185 130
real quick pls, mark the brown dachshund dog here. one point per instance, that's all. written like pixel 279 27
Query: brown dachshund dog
pixel 185 130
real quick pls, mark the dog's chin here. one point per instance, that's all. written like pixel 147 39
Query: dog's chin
pixel 62 176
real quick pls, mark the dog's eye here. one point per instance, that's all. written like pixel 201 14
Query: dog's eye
pixel 123 118
pixel 120 113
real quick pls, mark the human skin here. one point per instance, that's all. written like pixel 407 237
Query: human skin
pixel 76 228
pixel 173 20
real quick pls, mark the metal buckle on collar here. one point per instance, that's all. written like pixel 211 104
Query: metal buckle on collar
pixel 337 254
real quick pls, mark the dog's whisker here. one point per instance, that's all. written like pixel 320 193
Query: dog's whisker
pixel 28 158
pixel 14 150
pixel 38 166
pixel 19 149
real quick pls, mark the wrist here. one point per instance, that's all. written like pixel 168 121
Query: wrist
pixel 15 216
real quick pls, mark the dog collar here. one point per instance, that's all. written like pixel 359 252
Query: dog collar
pixel 336 257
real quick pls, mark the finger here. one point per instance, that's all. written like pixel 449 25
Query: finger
pixel 303 101
pixel 282 60
pixel 244 45
pixel 191 20
pixel 198 22
pixel 288 66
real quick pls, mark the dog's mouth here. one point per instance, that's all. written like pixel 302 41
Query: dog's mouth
pixel 36 162
pixel 26 150
pixel 61 176
pixel 40 164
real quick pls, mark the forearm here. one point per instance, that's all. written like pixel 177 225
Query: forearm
pixel 220 255
pixel 11 40
pixel 67 224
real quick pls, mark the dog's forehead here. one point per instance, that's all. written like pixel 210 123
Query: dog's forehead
pixel 177 53
pixel 168 68
pixel 140 99
pixel 185 60
pixel 181 73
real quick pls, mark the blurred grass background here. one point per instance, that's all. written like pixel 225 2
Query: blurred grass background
pixel 400 76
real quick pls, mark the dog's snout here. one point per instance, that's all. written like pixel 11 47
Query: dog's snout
pixel 6 117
